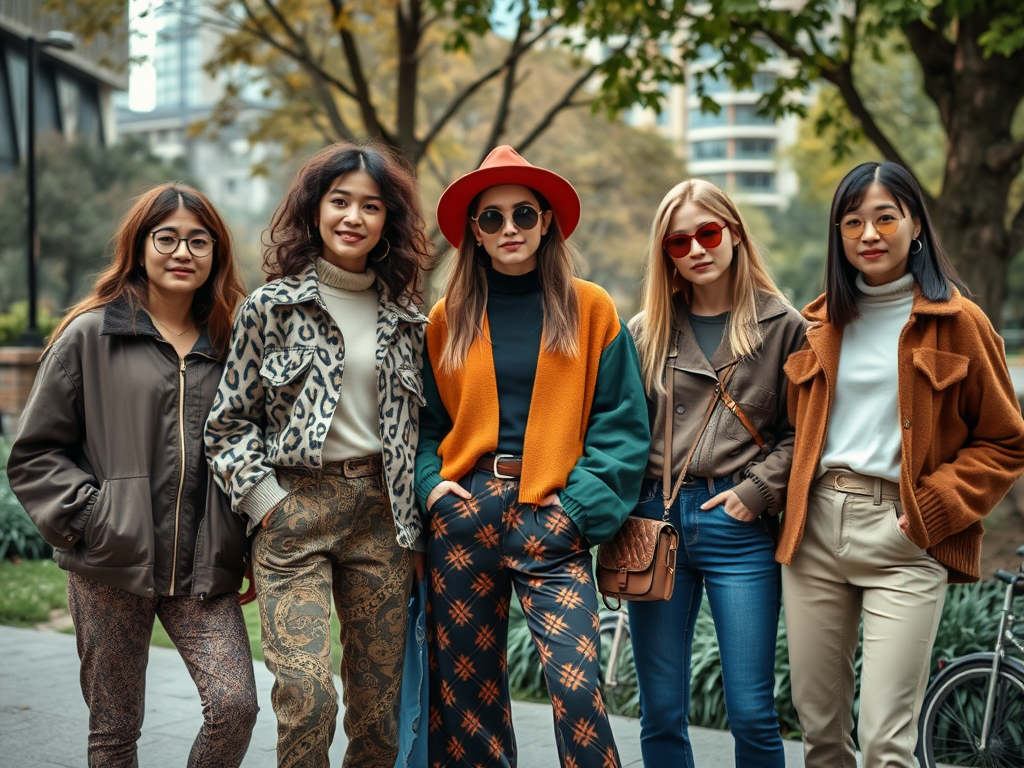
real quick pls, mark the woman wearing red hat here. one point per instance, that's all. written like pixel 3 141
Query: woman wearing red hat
pixel 532 448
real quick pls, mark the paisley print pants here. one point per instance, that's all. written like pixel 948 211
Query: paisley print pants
pixel 479 550
pixel 113 629
pixel 334 534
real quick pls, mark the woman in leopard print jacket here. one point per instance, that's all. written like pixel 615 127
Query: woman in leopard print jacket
pixel 313 433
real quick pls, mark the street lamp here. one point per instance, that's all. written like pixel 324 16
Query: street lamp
pixel 63 41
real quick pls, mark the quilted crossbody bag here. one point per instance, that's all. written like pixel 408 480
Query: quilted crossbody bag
pixel 639 562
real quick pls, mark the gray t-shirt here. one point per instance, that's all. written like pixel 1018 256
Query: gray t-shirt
pixel 708 331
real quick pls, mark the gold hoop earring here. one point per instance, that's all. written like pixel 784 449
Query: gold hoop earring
pixel 385 254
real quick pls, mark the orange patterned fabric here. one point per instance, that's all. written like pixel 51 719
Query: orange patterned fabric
pixel 563 393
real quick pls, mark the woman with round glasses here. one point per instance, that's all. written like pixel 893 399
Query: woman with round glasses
pixel 712 335
pixel 110 465
pixel 908 432
pixel 532 446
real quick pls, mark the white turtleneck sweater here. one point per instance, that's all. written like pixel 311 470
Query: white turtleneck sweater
pixel 351 298
pixel 864 432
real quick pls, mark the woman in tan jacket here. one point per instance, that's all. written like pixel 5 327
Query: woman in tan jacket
pixel 908 433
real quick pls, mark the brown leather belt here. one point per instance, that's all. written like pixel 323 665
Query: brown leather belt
pixel 364 466
pixel 503 466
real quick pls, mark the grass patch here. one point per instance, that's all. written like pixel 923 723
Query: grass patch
pixel 29 590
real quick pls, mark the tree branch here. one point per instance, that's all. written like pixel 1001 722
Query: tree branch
pixel 508 84
pixel 371 123
pixel 1000 156
pixel 474 86
pixel 936 56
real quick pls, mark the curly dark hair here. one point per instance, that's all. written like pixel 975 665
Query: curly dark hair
pixel 294 241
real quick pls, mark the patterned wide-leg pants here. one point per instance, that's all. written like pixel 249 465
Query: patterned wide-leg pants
pixel 334 533
pixel 479 550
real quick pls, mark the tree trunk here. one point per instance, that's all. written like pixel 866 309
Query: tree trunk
pixel 977 97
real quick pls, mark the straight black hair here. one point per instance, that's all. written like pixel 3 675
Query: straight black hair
pixel 930 266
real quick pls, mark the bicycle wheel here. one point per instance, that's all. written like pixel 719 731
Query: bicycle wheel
pixel 952 715
pixel 618 676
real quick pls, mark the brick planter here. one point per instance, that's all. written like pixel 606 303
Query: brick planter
pixel 18 366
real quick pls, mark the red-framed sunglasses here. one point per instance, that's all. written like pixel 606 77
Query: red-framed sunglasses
pixel 707 236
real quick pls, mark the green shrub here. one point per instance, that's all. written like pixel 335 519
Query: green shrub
pixel 18 535
pixel 31 589
pixel 14 322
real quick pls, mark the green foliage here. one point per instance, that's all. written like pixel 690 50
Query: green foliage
pixel 81 191
pixel 14 323
pixel 29 590
pixel 19 538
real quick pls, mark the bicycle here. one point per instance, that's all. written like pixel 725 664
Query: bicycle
pixel 619 685
pixel 973 711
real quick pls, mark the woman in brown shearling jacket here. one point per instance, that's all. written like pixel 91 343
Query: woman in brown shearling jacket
pixel 908 432
pixel 110 465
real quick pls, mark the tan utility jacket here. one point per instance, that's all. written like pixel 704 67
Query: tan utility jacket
pixel 109 460
pixel 961 426
pixel 758 386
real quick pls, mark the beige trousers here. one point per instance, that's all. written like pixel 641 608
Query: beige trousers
pixel 854 562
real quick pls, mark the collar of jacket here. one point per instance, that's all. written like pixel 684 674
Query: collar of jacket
pixel 303 287
pixel 119 319
pixel 826 340
pixel 686 355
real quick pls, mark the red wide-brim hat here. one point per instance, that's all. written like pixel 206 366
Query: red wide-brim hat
pixel 505 166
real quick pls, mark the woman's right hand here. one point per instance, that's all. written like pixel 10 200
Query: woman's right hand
pixel 446 486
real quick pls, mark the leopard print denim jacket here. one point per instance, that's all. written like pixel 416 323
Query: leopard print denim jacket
pixel 281 384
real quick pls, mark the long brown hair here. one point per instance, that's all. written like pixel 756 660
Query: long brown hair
pixel 214 302
pixel 294 241
pixel 466 295
pixel 662 281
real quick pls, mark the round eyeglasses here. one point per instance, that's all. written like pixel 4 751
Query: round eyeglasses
pixel 525 217
pixel 166 243
pixel 886 223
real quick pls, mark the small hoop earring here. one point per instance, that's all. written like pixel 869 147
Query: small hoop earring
pixel 919 244
pixel 385 254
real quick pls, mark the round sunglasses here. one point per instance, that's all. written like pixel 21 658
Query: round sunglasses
pixel 885 224
pixel 490 221
pixel 707 236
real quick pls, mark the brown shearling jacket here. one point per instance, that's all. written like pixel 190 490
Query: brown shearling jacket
pixel 109 460
pixel 960 422
pixel 758 386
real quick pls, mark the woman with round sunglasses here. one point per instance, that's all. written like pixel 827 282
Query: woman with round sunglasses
pixel 713 335
pixel 109 464
pixel 908 432
pixel 313 434
pixel 532 447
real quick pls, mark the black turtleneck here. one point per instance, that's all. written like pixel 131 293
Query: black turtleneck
pixel 515 314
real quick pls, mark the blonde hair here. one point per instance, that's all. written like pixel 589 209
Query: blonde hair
pixel 466 293
pixel 662 281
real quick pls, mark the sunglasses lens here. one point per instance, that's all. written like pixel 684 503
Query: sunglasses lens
pixel 709 236
pixel 525 217
pixel 490 221
pixel 851 229
pixel 887 225
pixel 677 246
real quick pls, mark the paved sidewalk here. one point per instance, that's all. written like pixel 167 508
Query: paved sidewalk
pixel 44 722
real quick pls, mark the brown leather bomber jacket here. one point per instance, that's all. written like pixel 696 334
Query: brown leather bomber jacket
pixel 759 388
pixel 110 465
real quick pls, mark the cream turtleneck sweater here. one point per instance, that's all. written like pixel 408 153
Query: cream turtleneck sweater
pixel 351 298
pixel 864 432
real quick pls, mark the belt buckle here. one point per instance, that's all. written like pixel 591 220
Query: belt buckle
pixel 494 469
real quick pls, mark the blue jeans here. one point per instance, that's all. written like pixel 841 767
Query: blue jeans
pixel 736 562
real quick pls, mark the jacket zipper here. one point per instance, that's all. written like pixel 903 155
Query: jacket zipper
pixel 181 468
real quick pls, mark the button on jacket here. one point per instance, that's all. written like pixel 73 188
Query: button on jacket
pixel 110 465
pixel 959 421
pixel 282 383
pixel 758 386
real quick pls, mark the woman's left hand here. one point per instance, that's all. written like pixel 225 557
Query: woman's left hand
pixel 551 500
pixel 244 598
pixel 731 503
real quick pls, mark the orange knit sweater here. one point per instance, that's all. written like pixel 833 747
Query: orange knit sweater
pixel 563 393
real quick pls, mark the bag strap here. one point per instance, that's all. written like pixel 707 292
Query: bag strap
pixel 733 406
